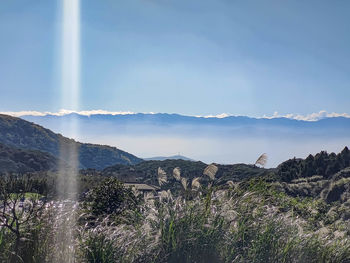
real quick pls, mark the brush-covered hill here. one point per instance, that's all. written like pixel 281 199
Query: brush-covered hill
pixel 324 176
pixel 22 134
pixel 322 164
pixel 147 172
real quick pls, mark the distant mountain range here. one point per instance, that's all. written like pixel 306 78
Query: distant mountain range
pixel 18 135
pixel 164 120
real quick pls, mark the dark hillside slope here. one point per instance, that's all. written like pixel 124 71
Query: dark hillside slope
pixel 22 161
pixel 23 134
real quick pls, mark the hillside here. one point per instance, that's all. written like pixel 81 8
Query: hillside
pixel 22 161
pixel 322 164
pixel 147 172
pixel 323 175
pixel 26 135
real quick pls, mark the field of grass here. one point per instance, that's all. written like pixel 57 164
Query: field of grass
pixel 202 220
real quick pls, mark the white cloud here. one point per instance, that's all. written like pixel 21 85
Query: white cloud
pixel 219 116
pixel 309 117
pixel 24 113
pixel 64 112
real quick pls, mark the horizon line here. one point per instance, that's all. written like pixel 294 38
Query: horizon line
pixel 308 117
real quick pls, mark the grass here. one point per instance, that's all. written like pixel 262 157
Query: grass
pixel 27 195
pixel 254 221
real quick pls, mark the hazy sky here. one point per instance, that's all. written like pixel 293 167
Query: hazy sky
pixel 185 56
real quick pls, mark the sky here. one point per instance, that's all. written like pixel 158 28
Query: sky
pixel 192 57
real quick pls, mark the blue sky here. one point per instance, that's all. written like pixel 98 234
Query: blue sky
pixel 185 56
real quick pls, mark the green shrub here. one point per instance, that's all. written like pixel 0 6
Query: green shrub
pixel 110 198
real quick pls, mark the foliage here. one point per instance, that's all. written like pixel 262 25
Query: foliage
pixel 147 172
pixel 22 161
pixel 252 223
pixel 110 197
pixel 18 219
pixel 323 164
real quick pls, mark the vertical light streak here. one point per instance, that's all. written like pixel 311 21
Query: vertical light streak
pixel 69 151
pixel 70 64
pixel 71 54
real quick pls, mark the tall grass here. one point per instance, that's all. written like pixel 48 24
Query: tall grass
pixel 250 222
pixel 218 226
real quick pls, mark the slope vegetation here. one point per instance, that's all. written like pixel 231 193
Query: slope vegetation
pixel 21 161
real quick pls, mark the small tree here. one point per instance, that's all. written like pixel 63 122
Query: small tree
pixel 110 198
pixel 17 213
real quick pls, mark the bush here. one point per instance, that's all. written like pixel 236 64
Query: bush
pixel 110 198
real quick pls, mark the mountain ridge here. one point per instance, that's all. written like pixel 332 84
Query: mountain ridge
pixel 63 112
pixel 173 157
pixel 174 117
pixel 164 123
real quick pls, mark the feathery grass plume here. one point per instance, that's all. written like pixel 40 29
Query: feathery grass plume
pixel 262 160
pixel 230 184
pixel 163 195
pixel 196 184
pixel 170 196
pixel 162 177
pixel 184 182
pixel 211 171
pixel 177 173
pixel 135 191
pixel 148 196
